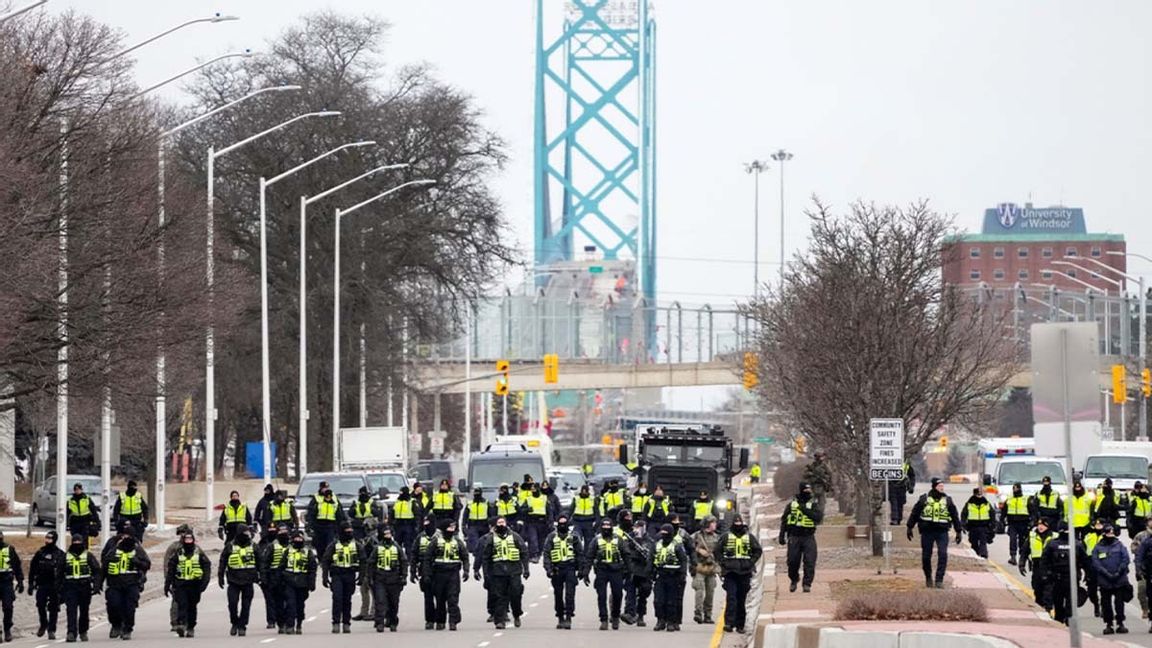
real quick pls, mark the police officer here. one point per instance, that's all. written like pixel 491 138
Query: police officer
pixel 1081 510
pixel 42 584
pixel 612 500
pixel 640 573
pixel 1055 561
pixel 1139 509
pixel 706 547
pixel 279 511
pixel 582 514
pixel 934 513
pixel 505 562
pixel 1038 539
pixel 186 577
pixel 78 576
pixel 83 517
pixel 538 514
pixel 173 549
pixel 419 573
pixel 262 505
pixel 1017 521
pixel 365 516
pixel 341 574
pixel 421 496
pixel 976 517
pixel 639 504
pixel 11 582
pixel 270 557
pixel 1109 561
pixel 606 557
pixel 754 473
pixel 387 568
pixel 324 517
pixel 1108 503
pixel 405 513
pixel 125 570
pixel 445 504
pixel 657 511
pixel 508 505
pixel 670 565
pixel 445 564
pixel 1088 544
pixel 898 492
pixel 298 573
pixel 563 553
pixel 1046 503
pixel 477 521
pixel 739 553
pixel 701 508
pixel 798 532
pixel 238 565
pixel 131 507
pixel 234 516
pixel 553 504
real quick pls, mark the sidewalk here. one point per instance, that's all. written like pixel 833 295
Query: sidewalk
pixel 1013 617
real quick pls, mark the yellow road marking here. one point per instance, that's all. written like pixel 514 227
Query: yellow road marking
pixel 1015 581
pixel 718 633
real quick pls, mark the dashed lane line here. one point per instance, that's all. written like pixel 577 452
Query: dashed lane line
pixel 498 634
pixel 268 640
pixel 483 644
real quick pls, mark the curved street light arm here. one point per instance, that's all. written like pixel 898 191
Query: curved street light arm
pixel 323 194
pixel 22 10
pixel 220 109
pixel 253 138
pixel 1089 271
pixel 316 159
pixel 345 212
pixel 218 18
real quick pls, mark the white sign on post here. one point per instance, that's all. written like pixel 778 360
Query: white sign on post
pixel 887 444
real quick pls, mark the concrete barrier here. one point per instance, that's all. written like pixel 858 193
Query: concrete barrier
pixel 839 638
pixel 951 640
pixel 816 636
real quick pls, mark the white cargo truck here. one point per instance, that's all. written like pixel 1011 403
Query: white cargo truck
pixel 373 448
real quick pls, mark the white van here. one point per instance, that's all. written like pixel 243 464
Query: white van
pixel 1029 471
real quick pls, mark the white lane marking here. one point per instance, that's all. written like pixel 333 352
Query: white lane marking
pixel 543 596
pixel 532 605
pixel 482 644
pixel 325 611
pixel 42 646
pixel 310 619
pixel 268 640
pixel 498 634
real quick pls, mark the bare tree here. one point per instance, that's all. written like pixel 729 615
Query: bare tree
pixel 864 327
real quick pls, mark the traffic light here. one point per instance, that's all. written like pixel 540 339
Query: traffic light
pixel 503 367
pixel 1146 382
pixel 551 368
pixel 751 364
pixel 944 441
pixel 1119 384
pixel 800 444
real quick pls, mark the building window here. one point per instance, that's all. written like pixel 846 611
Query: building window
pixel 1070 252
pixel 1096 252
pixel 974 275
pixel 1022 253
pixel 998 274
pixel 1022 275
pixel 998 252
pixel 974 253
pixel 1071 272
pixel 1046 253
pixel 1045 274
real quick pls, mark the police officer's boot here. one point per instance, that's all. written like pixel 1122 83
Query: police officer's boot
pixel 640 622
pixel 70 638
pixel 604 625
pixel 335 628
pixel 660 625
pixel 347 628
pixel 452 626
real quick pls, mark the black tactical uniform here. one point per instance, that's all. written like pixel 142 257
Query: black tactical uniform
pixel 639 547
pixel 42 583
pixel 606 557
pixel 505 562
pixel 445 565
pixel 185 578
pixel 11 583
pixel 739 553
pixel 670 565
pixel 387 569
pixel 269 557
pixel 934 514
pixel 234 517
pixel 341 569
pixel 297 571
pixel 798 530
pixel 420 548
pixel 78 577
pixel 1055 559
pixel 125 572
pixel 238 564
pixel 563 557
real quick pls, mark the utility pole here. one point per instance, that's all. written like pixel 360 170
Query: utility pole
pixel 755 167
pixel 781 156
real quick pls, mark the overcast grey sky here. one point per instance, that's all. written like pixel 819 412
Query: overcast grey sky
pixel 967 104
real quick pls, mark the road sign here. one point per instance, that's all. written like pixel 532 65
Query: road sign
pixel 436 446
pixel 765 440
pixel 886 460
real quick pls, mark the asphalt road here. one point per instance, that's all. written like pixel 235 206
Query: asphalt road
pixel 998 554
pixel 539 623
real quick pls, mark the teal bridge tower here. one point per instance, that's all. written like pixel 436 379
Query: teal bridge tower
pixel 595 156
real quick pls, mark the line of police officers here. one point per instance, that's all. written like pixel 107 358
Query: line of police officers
pixel 632 546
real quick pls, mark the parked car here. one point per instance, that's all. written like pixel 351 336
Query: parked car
pixel 345 486
pixel 604 472
pixel 44 496
pixel 566 483
pixel 431 471
pixel 386 483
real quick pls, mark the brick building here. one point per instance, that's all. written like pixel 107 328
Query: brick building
pixel 1019 244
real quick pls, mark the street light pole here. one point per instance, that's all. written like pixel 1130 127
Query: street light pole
pixel 210 333
pixel 302 408
pixel 755 167
pixel 9 16
pixel 161 359
pixel 340 213
pixel 1143 336
pixel 782 156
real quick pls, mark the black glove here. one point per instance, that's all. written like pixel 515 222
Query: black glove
pixel 220 532
pixel 327 583
pixel 587 583
pixel 221 583
pixel 1024 567
pixel 525 574
pixel 476 575
pixel 958 537
pixel 464 576
pixel 31 589
pixel 359 580
pixel 312 587
pixel 97 589
pixel 412 579
pixel 782 540
pixel 909 533
pixel 167 591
